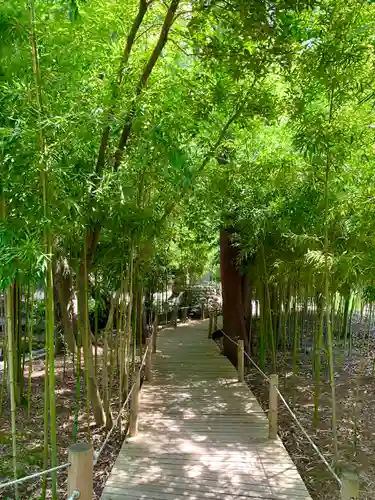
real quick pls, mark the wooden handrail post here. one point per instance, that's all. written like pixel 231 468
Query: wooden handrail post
pixel 240 361
pixel 202 304
pixel 210 326
pixel 148 359
pixel 154 336
pixel 350 486
pixel 215 321
pixel 175 316
pixel 273 407
pixel 134 407
pixel 80 472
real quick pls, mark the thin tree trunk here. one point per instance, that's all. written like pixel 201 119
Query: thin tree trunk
pixel 149 66
pixel 93 390
pixel 143 6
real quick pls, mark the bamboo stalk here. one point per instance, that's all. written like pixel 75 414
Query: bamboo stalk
pixel 326 296
pixel 49 305
pixel 105 377
pixel 96 320
pixel 9 327
pixel 5 369
pixel 87 343
pixel 30 352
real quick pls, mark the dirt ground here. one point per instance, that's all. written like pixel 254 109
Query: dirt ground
pixel 30 433
pixel 355 387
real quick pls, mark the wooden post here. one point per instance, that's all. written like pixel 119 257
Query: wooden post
pixel 80 472
pixel 350 486
pixel 210 326
pixel 154 336
pixel 134 407
pixel 240 361
pixel 215 321
pixel 202 304
pixel 148 359
pixel 273 407
pixel 175 316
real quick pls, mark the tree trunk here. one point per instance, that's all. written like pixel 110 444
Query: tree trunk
pixel 93 389
pixel 236 292
pixel 63 283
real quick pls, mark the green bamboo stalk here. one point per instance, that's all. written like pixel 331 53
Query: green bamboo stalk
pixel 122 346
pixel 5 370
pixel 295 331
pixel 49 303
pixel 369 328
pixel 50 330
pixel 87 344
pixel 45 420
pixel 16 345
pixel 261 325
pixel 105 376
pixel 9 330
pixel 78 377
pixel 286 322
pixel 123 319
pixel 128 323
pixel 96 322
pixel 140 321
pixel 112 348
pixel 318 353
pixel 23 337
pixel 30 335
pixel 326 298
pixel 271 335
pixel 350 322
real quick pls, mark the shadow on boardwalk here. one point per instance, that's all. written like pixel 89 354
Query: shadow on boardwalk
pixel 202 434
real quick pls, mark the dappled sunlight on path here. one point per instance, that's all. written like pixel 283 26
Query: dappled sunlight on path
pixel 202 434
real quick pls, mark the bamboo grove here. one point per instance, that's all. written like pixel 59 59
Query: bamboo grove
pixel 146 140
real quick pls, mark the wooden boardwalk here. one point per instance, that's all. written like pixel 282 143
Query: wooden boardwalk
pixel 202 434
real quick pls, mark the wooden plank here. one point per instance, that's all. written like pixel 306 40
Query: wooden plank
pixel 202 434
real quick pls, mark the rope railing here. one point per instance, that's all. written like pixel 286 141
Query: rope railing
pixel 33 476
pixel 293 415
pixel 115 424
pixel 82 457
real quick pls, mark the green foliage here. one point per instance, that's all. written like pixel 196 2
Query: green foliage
pixel 264 178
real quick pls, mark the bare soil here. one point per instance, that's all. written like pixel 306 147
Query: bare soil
pixel 355 387
pixel 30 437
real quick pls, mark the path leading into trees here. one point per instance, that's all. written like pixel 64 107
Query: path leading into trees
pixel 202 434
